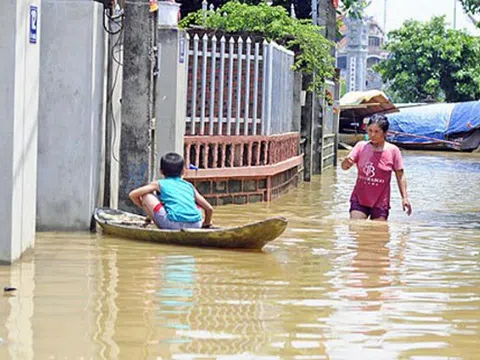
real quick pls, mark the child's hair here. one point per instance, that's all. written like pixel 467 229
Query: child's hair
pixel 380 120
pixel 171 164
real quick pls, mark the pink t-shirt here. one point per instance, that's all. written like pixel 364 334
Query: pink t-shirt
pixel 374 173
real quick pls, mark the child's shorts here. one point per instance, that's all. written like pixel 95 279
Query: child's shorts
pixel 373 212
pixel 162 221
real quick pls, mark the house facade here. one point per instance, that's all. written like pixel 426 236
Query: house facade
pixel 360 49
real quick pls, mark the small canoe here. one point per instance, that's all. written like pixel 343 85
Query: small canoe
pixel 250 236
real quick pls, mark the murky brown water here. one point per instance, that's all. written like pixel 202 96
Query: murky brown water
pixel 327 289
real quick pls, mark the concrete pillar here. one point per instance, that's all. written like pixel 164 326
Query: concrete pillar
pixel 357 50
pixel 71 114
pixel 136 151
pixel 327 20
pixel 297 102
pixel 19 69
pixel 171 92
pixel 307 128
pixel 317 136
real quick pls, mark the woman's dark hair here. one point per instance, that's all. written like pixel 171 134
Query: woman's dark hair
pixel 171 164
pixel 380 120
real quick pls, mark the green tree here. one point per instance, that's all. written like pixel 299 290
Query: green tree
pixel 313 51
pixel 351 6
pixel 354 8
pixel 190 6
pixel 303 8
pixel 471 6
pixel 431 60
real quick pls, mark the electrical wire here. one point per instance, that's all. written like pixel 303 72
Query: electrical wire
pixel 112 19
pixel 138 3
pixel 119 50
pixel 118 43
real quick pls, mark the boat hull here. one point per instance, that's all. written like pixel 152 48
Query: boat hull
pixel 250 236
pixel 350 139
pixel 423 146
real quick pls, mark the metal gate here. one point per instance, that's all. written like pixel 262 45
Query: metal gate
pixel 329 128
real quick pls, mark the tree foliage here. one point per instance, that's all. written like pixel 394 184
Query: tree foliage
pixel 430 60
pixel 471 6
pixel 354 8
pixel 303 8
pixel 313 51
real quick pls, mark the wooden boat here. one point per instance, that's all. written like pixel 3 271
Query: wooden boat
pixel 250 236
pixel 350 139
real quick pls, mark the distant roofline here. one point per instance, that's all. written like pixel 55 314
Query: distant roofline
pixel 370 20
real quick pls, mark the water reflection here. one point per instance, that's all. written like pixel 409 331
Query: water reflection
pixel 106 305
pixel 363 281
pixel 216 310
pixel 176 296
pixel 16 311
pixel 329 288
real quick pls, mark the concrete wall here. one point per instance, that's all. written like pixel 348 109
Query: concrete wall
pixel 19 69
pixel 71 115
pixel 171 93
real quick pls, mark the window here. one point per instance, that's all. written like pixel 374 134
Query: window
pixel 371 61
pixel 373 41
pixel 342 62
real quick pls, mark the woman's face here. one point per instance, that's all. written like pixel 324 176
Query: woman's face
pixel 376 134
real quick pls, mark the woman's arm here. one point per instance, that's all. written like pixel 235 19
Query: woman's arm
pixel 205 205
pixel 347 163
pixel 136 194
pixel 352 157
pixel 402 187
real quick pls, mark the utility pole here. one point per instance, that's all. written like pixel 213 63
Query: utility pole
pixel 454 14
pixel 315 12
pixel 138 101
pixel 385 16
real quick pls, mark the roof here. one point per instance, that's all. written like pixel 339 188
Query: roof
pixel 360 104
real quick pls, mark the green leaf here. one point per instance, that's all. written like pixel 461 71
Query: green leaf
pixel 429 59
pixel 313 50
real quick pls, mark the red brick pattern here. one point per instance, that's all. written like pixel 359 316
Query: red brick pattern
pixel 241 111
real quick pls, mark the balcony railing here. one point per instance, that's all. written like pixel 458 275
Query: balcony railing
pixel 212 152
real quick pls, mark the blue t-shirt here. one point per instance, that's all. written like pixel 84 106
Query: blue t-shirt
pixel 178 198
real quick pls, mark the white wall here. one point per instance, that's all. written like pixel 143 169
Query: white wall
pixel 19 71
pixel 70 114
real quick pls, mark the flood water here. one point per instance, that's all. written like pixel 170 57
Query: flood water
pixel 328 288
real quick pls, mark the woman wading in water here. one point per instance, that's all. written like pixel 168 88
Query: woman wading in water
pixel 376 159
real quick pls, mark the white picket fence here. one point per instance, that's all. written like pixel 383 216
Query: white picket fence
pixel 238 86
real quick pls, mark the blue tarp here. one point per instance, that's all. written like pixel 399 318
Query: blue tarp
pixel 435 122
pixel 465 117
pixel 429 121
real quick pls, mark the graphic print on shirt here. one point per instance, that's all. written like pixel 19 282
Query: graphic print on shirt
pixel 369 171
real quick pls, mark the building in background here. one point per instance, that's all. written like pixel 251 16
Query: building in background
pixel 360 49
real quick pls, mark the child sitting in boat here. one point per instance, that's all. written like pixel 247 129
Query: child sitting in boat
pixel 177 203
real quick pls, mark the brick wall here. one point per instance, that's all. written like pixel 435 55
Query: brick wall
pixel 248 190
